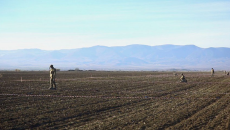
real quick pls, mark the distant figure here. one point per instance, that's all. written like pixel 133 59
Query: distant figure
pixel 52 77
pixel 228 73
pixel 175 74
pixel 182 78
pixel 212 72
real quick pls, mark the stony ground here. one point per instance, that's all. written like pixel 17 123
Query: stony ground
pixel 114 100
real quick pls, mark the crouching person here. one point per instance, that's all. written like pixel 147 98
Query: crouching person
pixel 182 78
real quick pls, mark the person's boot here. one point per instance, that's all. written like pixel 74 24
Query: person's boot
pixel 51 87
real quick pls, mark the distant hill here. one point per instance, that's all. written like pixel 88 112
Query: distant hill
pixel 131 57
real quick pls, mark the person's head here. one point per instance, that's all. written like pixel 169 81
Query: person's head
pixel 182 74
pixel 51 66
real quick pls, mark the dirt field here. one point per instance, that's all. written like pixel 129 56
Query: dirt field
pixel 114 100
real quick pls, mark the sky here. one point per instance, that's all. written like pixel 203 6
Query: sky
pixel 69 24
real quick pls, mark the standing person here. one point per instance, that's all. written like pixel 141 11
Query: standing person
pixel 182 78
pixel 52 77
pixel 212 72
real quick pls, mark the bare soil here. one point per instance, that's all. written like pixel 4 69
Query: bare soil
pixel 114 100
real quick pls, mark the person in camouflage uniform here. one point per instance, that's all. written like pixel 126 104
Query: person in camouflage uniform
pixel 182 78
pixel 52 77
pixel 212 72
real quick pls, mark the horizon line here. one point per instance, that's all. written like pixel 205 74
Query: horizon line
pixel 109 46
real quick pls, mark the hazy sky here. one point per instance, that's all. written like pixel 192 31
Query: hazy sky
pixel 66 24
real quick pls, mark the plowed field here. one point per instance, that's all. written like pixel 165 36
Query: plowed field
pixel 114 100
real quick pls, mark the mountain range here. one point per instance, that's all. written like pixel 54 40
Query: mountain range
pixel 131 57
